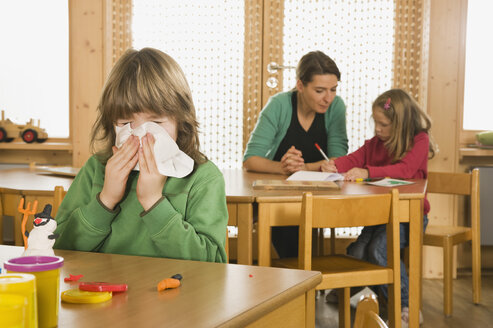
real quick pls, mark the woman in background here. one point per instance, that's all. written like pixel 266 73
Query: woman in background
pixel 284 138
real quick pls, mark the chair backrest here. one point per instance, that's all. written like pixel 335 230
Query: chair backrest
pixel 350 211
pixel 355 211
pixel 367 313
pixel 54 198
pixel 58 196
pixel 9 201
pixel 458 184
pixel 226 245
pixel 453 183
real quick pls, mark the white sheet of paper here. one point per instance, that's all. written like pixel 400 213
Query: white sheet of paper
pixel 387 182
pixel 315 176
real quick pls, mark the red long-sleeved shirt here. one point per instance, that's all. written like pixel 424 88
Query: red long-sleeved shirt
pixel 374 157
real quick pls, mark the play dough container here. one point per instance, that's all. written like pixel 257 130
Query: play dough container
pixel 46 269
pixel 18 301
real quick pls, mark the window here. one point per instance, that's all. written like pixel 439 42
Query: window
pixel 478 110
pixel 34 64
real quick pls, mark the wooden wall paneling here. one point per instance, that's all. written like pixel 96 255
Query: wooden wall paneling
pixel 446 28
pixel 52 157
pixel 86 69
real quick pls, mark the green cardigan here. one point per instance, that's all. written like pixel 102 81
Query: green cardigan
pixel 189 222
pixel 274 122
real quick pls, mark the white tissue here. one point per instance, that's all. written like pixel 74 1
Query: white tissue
pixel 170 160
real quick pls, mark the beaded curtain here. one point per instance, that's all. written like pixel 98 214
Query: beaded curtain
pixel 206 38
pixel 119 14
pixel 358 36
pixel 224 47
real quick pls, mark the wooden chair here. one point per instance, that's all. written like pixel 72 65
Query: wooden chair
pixel 226 245
pixel 9 201
pixel 342 271
pixel 447 236
pixel 43 197
pixel 367 313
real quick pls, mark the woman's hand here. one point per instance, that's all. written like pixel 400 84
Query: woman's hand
pixel 292 161
pixel 356 173
pixel 151 183
pixel 117 170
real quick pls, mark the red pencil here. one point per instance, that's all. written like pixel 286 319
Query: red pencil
pixel 322 152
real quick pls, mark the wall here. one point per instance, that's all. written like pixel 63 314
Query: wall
pixel 445 99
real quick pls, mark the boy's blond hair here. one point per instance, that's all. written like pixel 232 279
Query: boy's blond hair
pixel 146 81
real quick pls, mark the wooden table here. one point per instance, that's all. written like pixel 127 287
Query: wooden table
pixel 211 295
pixel 37 184
pixel 282 207
pixel 31 185
pixel 276 206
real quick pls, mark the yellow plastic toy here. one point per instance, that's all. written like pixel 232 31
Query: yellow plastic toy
pixel 28 132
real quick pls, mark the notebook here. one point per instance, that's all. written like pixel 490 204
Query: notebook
pixel 315 176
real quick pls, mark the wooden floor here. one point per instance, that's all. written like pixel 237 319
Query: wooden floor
pixel 465 314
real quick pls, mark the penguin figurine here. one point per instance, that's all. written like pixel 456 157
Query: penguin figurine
pixel 42 237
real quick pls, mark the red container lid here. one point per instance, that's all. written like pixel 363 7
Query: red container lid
pixel 102 287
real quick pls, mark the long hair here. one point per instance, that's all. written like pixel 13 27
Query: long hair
pixel 407 120
pixel 146 81
pixel 315 63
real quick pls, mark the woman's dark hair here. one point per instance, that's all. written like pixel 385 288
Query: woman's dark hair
pixel 315 63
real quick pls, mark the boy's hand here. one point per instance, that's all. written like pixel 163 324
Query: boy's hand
pixel 292 161
pixel 151 183
pixel 356 173
pixel 117 170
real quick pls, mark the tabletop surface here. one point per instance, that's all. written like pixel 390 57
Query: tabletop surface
pixel 212 294
pixel 238 185
pixel 27 179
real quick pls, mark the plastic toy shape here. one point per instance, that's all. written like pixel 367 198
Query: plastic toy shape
pixel 28 132
pixel 42 237
pixel 173 282
pixel 26 211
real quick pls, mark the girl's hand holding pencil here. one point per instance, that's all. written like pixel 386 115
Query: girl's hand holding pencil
pixel 328 166
pixel 356 173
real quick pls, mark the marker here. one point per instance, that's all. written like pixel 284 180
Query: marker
pixel 322 152
pixel 368 179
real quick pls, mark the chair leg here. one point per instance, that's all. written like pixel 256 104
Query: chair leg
pixel 321 242
pixel 344 307
pixel 476 271
pixel 394 306
pixel 447 276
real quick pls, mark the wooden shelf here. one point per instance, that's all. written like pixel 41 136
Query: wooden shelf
pixel 475 152
pixel 20 145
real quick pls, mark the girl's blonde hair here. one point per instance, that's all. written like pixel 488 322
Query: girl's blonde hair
pixel 146 81
pixel 407 120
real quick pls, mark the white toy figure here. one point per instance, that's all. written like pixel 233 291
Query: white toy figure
pixel 41 239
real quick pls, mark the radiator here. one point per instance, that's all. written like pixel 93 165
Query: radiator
pixel 486 204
